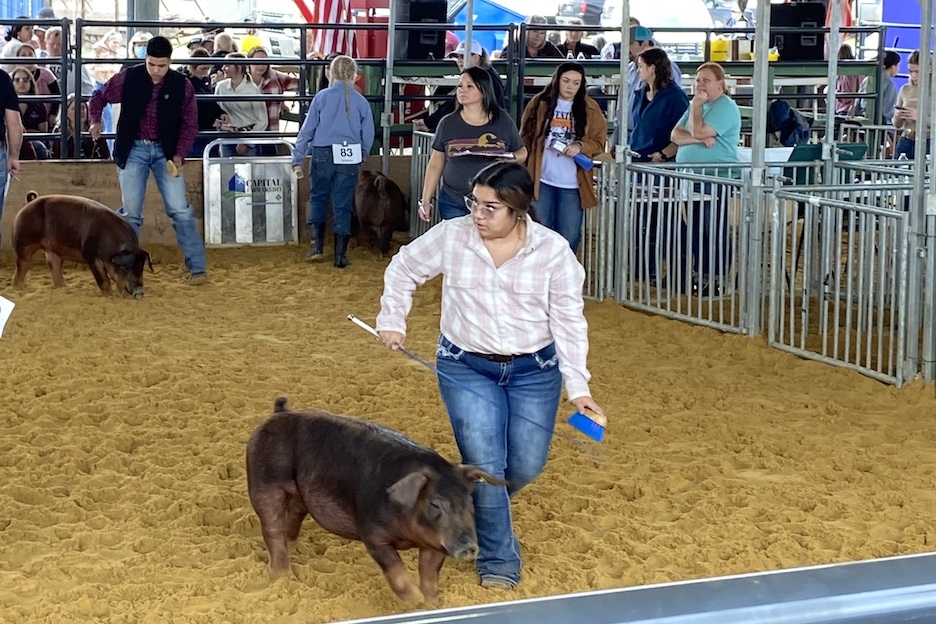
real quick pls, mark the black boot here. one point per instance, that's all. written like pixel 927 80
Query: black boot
pixel 317 248
pixel 341 248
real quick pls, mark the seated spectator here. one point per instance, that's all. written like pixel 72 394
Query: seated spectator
pixel 209 112
pixel 34 115
pixel 137 46
pixel 888 89
pixel 241 116
pixel 20 33
pixel 208 42
pixel 89 149
pixel 536 45
pixel 271 82
pixel 573 43
pixel 53 49
pixel 845 106
pixel 46 82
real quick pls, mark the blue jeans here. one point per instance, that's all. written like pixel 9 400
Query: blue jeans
pixel 908 147
pixel 449 208
pixel 146 156
pixel 506 434
pixel 230 149
pixel 560 210
pixel 335 182
pixel 711 240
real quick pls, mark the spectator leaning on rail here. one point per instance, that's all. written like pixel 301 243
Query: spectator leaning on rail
pixel 558 124
pixel 573 42
pixel 11 129
pixel 709 132
pixel 907 117
pixel 513 330
pixel 157 126
pixel 241 116
pixel 340 128
pixel 271 82
pixel 641 39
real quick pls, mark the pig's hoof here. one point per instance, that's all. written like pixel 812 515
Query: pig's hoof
pixel 277 572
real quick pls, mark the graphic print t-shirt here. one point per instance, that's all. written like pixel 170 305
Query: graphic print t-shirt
pixel 469 149
pixel 559 170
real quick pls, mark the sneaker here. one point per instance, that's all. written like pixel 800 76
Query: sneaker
pixel 491 581
pixel 197 279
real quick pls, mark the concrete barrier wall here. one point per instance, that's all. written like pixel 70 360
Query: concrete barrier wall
pixel 98 181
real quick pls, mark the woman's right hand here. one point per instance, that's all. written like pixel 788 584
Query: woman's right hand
pixel 392 339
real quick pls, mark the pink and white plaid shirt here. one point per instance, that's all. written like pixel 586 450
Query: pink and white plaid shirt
pixel 532 300
pixel 278 84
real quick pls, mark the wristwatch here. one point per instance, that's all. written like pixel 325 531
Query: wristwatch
pixel 664 157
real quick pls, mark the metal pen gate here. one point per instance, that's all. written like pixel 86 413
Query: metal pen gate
pixel 838 282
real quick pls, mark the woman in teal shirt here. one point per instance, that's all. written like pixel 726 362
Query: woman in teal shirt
pixel 709 133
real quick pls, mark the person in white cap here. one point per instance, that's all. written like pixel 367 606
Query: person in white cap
pixel 478 58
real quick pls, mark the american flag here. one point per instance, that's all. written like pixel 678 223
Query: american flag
pixel 338 41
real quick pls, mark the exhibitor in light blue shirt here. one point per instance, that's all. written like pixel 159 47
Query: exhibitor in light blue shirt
pixel 329 123
pixel 724 117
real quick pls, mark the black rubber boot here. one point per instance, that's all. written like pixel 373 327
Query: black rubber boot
pixel 317 248
pixel 341 249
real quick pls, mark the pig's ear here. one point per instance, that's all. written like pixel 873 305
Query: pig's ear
pixel 406 491
pixel 476 475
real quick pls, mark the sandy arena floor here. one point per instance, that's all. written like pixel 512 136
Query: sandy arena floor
pixel 123 426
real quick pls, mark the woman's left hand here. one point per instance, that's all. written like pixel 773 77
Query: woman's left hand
pixel 588 403
pixel 572 150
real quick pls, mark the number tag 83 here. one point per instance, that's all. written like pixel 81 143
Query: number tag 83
pixel 344 154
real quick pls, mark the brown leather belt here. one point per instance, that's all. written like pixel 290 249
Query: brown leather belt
pixel 493 357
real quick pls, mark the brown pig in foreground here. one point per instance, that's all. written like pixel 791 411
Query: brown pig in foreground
pixel 77 229
pixel 379 207
pixel 364 482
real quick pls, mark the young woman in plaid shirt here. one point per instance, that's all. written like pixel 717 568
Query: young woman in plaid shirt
pixel 513 330
pixel 271 82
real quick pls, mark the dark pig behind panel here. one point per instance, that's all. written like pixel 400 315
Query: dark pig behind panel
pixel 380 209
pixel 364 482
pixel 76 229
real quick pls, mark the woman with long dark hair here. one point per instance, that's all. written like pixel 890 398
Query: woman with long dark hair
pixel 657 107
pixel 558 124
pixel 476 134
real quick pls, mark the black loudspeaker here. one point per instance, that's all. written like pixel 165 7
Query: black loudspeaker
pixel 796 46
pixel 423 44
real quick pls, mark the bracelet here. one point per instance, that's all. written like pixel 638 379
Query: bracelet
pixel 431 202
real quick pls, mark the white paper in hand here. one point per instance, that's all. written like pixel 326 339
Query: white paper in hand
pixel 6 309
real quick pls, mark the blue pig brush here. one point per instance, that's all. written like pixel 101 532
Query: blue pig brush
pixel 589 425
pixel 579 421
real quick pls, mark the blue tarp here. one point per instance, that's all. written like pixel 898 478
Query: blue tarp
pixel 902 12
pixel 11 9
pixel 486 13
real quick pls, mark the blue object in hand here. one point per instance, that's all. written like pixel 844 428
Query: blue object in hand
pixel 583 161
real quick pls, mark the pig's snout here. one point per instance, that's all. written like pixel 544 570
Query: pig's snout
pixel 466 551
pixel 137 292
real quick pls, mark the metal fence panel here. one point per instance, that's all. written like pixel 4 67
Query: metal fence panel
pixel 684 251
pixel 422 151
pixel 250 200
pixel 597 250
pixel 838 286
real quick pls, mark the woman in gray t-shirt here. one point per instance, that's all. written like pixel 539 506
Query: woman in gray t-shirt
pixel 476 134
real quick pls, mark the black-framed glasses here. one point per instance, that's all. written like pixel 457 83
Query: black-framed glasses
pixel 483 210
